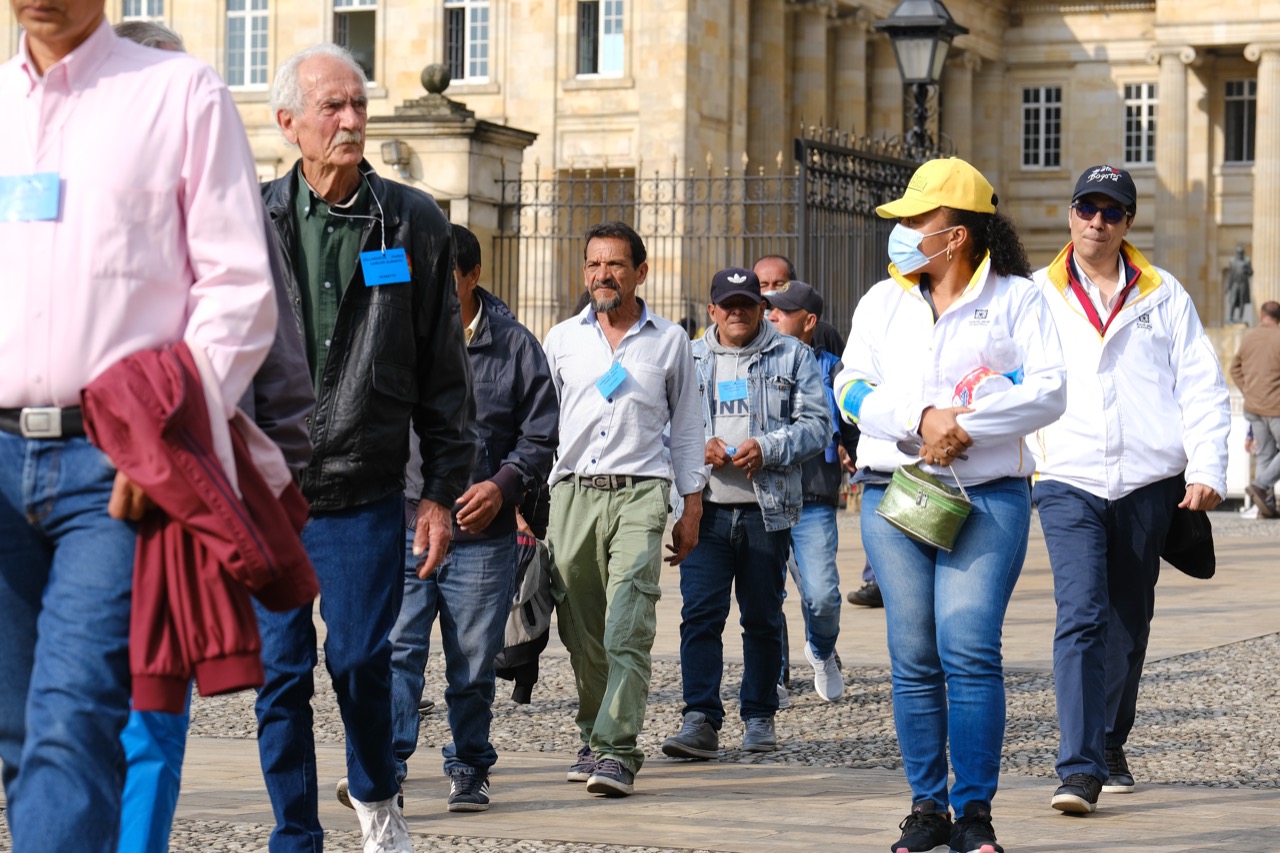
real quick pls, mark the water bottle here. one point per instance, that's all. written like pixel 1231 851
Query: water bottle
pixel 1003 355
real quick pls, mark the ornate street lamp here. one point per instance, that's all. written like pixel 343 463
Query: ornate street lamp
pixel 921 32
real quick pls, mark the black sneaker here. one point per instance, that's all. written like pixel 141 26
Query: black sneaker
pixel 1077 795
pixel 612 779
pixel 1266 508
pixel 972 832
pixel 697 739
pixel 426 706
pixel 1119 779
pixel 924 829
pixel 469 792
pixel 582 769
pixel 868 596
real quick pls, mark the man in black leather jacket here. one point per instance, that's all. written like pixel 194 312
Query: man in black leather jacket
pixel 372 286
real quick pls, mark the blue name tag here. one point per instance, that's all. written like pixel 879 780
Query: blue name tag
pixel 389 267
pixel 29 198
pixel 734 389
pixel 612 378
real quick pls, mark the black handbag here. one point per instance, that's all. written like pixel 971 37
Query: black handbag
pixel 1188 546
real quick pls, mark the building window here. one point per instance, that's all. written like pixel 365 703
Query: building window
pixel 1239 119
pixel 600 41
pixel 143 10
pixel 467 40
pixel 1140 123
pixel 1042 127
pixel 355 28
pixel 246 43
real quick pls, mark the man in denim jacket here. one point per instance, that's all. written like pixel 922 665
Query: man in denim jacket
pixel 764 413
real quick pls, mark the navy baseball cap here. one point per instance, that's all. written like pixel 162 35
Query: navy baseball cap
pixel 734 281
pixel 1111 182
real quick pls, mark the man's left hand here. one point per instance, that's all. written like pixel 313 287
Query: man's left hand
pixel 684 534
pixel 479 506
pixel 435 532
pixel 1200 497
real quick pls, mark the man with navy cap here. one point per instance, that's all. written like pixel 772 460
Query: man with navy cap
pixel 764 413
pixel 795 309
pixel 1146 405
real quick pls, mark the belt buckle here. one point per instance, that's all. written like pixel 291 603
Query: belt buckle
pixel 602 481
pixel 40 422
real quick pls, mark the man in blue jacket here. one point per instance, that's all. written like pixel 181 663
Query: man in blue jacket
pixel 516 431
pixel 764 413
pixel 794 310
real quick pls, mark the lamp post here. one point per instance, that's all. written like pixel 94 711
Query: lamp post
pixel 921 32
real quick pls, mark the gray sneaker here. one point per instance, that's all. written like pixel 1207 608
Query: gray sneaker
pixel 697 739
pixel 760 736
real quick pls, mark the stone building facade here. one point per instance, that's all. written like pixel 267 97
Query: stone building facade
pixel 1186 95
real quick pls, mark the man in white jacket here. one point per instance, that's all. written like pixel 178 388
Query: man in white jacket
pixel 1146 403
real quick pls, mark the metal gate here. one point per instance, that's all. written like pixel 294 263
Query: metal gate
pixel 819 211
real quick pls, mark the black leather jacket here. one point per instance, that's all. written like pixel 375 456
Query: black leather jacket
pixel 397 353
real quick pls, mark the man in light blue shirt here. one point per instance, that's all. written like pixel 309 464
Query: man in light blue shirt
pixel 624 375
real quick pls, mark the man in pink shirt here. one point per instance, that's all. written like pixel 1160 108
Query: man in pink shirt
pixel 128 220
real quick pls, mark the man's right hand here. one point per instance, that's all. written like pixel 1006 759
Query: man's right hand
pixel 128 501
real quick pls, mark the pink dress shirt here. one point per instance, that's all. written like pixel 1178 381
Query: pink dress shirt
pixel 159 236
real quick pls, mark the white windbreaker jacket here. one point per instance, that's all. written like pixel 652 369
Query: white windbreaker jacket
pixel 914 363
pixel 1144 402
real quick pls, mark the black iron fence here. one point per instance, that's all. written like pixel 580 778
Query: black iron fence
pixel 819 211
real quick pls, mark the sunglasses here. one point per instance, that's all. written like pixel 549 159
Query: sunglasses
pixel 1110 215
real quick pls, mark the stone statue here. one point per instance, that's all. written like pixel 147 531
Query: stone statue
pixel 1238 299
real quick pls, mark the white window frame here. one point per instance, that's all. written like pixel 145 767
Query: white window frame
pixel 477 39
pixel 1041 127
pixel 340 8
pixel 1248 93
pixel 1141 111
pixel 254 15
pixel 143 10
pixel 610 40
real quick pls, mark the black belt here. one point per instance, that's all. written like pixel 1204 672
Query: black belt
pixel 43 422
pixel 610 482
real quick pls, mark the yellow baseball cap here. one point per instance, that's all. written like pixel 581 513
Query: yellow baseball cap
pixel 943 183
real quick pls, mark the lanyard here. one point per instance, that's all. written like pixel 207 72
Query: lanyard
pixel 1087 304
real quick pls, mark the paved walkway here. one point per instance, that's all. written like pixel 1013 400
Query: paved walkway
pixel 728 806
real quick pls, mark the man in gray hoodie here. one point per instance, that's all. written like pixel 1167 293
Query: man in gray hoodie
pixel 764 413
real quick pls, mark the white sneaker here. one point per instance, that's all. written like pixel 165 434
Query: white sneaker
pixel 382 825
pixel 827 679
pixel 784 700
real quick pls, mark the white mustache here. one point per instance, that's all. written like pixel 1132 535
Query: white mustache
pixel 345 137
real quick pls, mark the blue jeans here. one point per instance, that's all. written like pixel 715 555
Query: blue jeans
pixel 66 580
pixel 358 554
pixel 1105 557
pixel 813 544
pixel 944 614
pixel 735 552
pixel 155 744
pixel 471 592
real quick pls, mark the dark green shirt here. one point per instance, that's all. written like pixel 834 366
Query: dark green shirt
pixel 329 244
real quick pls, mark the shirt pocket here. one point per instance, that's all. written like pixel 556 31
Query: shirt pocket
pixel 130 233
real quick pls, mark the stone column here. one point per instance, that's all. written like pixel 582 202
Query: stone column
pixel 850 85
pixel 1171 229
pixel 956 120
pixel 1265 250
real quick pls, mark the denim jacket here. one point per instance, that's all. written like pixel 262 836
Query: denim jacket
pixel 790 418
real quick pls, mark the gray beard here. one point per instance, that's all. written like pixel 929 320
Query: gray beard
pixel 604 304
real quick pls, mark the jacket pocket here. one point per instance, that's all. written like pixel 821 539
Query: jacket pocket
pixel 395 380
pixel 778 390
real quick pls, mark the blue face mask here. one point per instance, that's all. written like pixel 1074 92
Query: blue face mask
pixel 904 248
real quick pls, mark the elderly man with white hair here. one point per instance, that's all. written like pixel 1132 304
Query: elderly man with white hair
pixel 371 280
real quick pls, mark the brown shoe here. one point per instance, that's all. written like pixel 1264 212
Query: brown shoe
pixel 1265 509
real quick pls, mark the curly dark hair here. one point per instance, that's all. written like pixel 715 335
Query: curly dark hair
pixel 994 232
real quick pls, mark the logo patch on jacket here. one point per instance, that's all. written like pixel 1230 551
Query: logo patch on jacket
pixel 1144 321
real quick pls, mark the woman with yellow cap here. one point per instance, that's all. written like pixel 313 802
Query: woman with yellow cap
pixel 957 290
